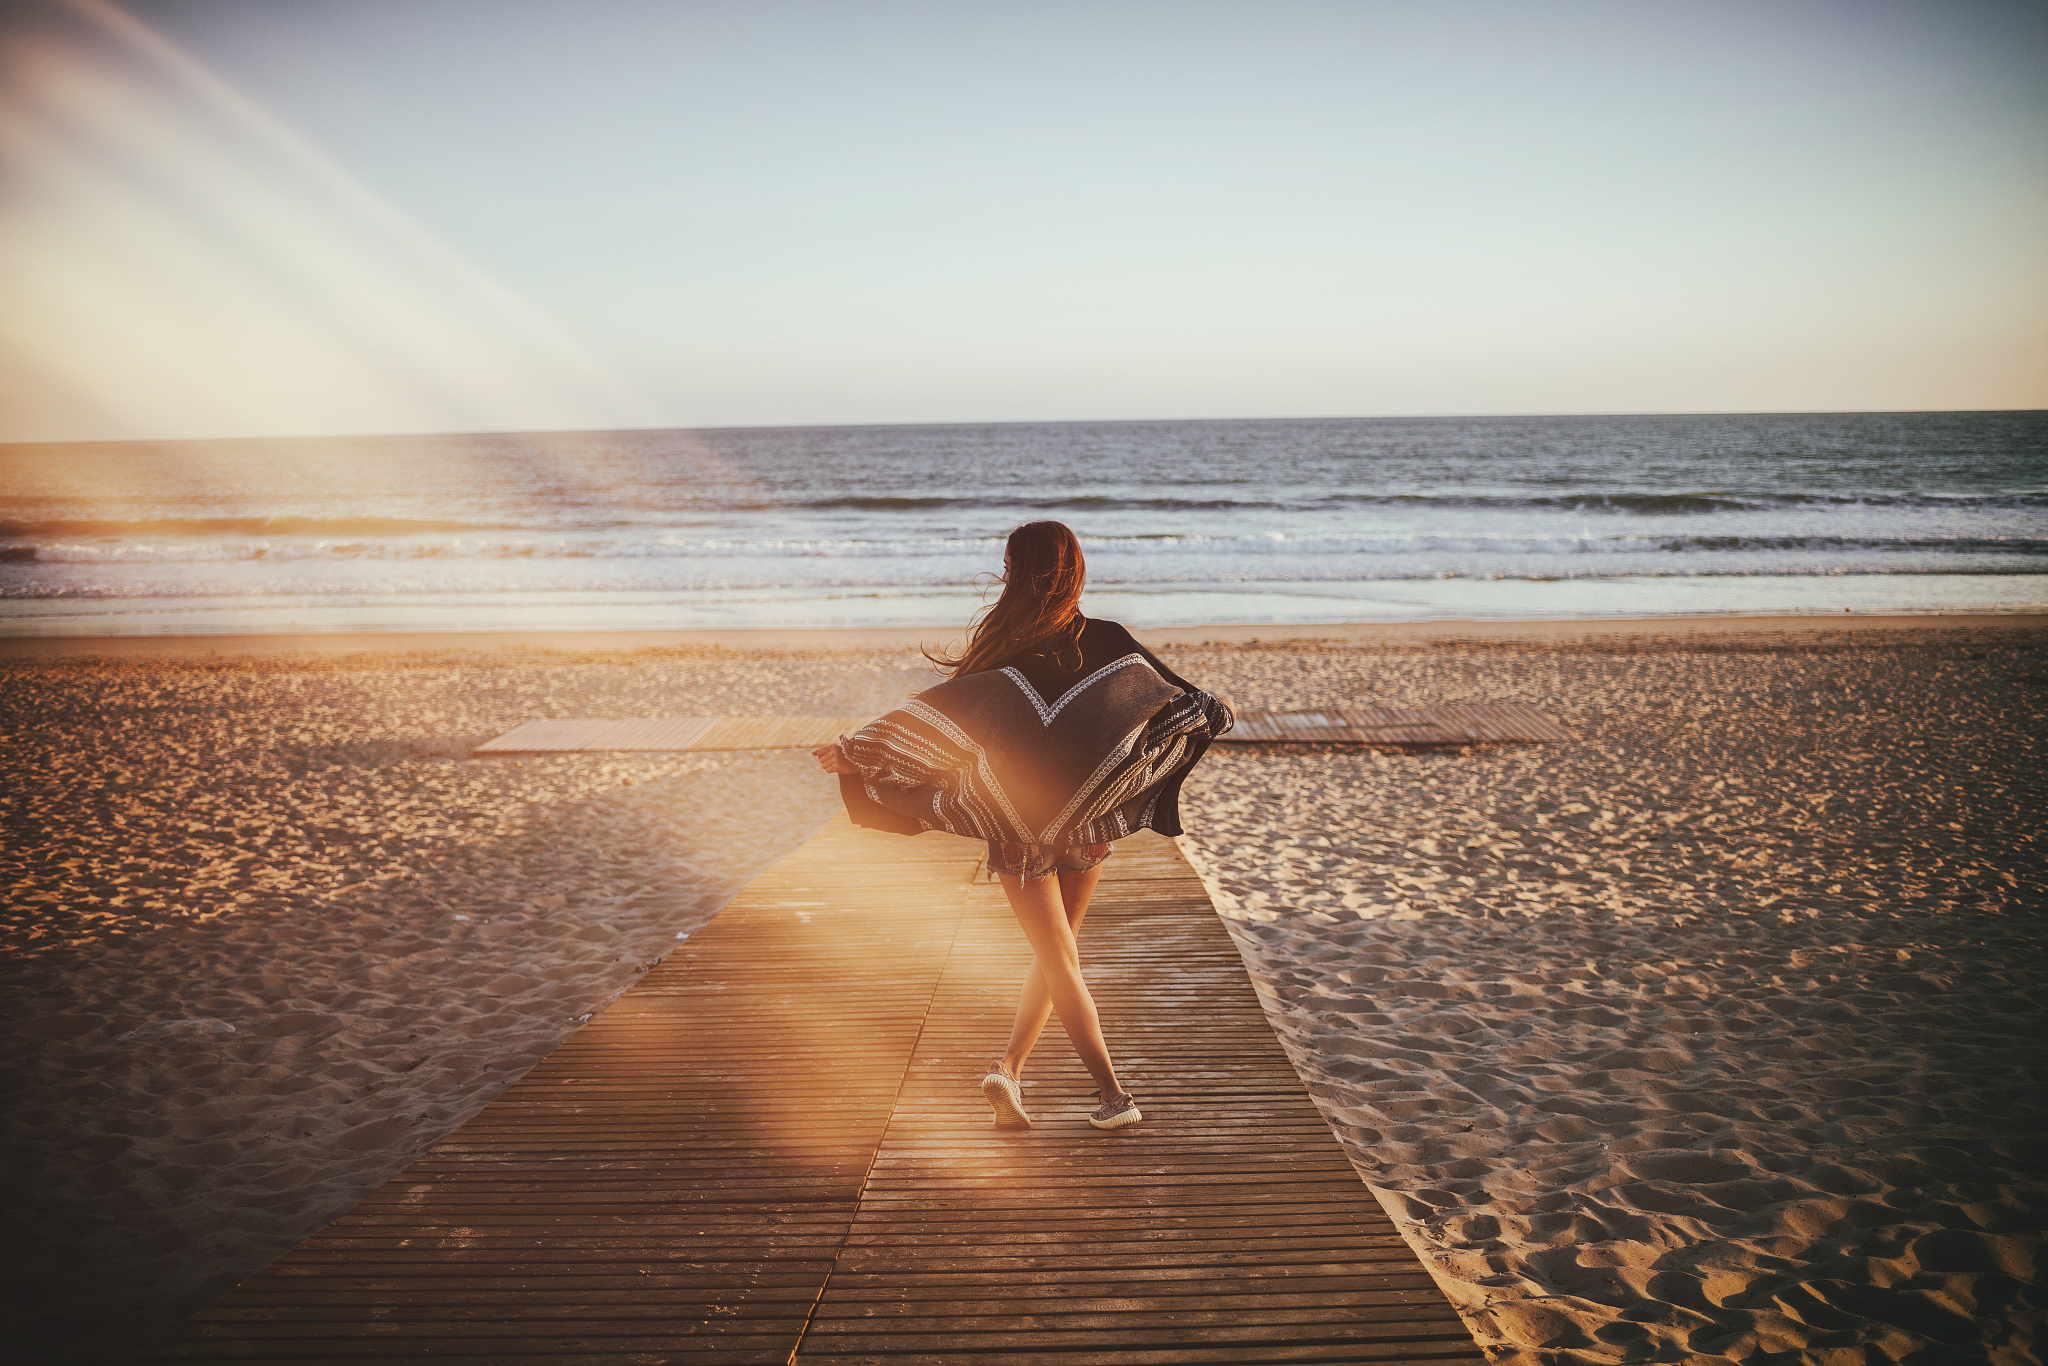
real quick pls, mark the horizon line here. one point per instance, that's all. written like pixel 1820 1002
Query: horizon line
pixel 1012 422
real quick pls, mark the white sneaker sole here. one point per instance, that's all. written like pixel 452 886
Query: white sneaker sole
pixel 1006 1100
pixel 1117 1120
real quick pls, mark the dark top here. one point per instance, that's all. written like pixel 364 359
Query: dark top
pixel 1103 643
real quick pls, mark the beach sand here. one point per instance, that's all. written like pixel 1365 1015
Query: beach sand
pixel 1716 1033
pixel 271 933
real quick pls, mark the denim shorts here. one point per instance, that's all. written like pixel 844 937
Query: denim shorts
pixel 1030 862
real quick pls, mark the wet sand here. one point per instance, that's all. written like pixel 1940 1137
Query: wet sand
pixel 1713 1034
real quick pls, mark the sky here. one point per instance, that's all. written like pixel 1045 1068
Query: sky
pixel 251 217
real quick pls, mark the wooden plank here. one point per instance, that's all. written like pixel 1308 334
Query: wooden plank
pixel 566 735
pixel 774 1149
pixel 777 732
pixel 658 733
pixel 584 735
pixel 1451 724
pixel 1505 721
pixel 1424 726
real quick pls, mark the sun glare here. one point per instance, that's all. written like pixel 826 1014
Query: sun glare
pixel 179 263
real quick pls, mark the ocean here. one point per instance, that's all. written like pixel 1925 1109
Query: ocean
pixel 1184 523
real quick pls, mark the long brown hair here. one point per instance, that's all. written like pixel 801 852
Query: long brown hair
pixel 1040 608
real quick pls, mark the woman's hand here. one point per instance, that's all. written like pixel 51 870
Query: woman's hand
pixel 833 759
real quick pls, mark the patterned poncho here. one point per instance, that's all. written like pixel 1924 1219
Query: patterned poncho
pixel 987 757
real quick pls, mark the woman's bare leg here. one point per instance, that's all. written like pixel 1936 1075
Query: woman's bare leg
pixel 1041 911
pixel 1034 1007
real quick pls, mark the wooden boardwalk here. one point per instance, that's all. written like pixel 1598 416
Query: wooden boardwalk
pixel 1464 723
pixel 773 1149
pixel 589 735
pixel 1459 723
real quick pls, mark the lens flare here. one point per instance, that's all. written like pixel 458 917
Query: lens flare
pixel 175 262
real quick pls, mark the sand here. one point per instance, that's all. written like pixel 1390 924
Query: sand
pixel 269 935
pixel 1714 1034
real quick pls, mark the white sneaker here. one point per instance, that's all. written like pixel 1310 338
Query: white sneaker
pixel 1005 1097
pixel 1114 1114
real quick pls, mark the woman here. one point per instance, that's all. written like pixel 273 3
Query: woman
pixel 1053 736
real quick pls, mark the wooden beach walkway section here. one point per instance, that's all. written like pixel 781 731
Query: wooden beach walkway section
pixel 773 1150
pixel 1463 723
pixel 589 735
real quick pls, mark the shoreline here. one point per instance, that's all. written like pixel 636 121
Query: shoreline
pixel 781 640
